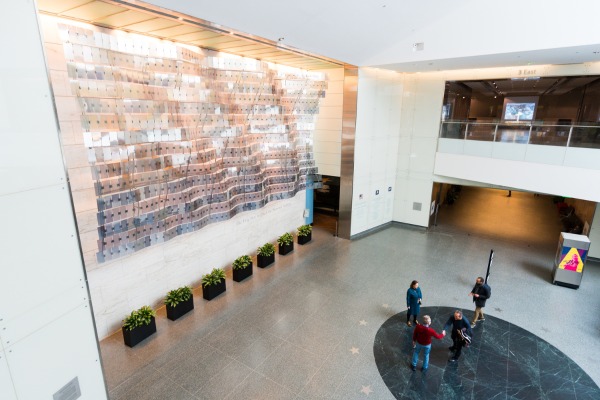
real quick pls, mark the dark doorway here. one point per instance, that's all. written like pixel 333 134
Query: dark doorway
pixel 327 204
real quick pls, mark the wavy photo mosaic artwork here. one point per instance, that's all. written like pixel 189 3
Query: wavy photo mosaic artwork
pixel 181 137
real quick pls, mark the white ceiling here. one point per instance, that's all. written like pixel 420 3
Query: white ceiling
pixel 381 33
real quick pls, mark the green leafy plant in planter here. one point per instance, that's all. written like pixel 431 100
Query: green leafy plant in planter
pixel 304 234
pixel 138 318
pixel 304 230
pixel 242 268
pixel 266 249
pixel 213 283
pixel 179 302
pixel 176 296
pixel 265 255
pixel 242 262
pixel 214 277
pixel 139 325
pixel 286 243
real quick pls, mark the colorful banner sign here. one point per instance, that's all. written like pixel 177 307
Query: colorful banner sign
pixel 572 259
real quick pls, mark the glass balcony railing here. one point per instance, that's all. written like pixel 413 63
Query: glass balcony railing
pixel 586 136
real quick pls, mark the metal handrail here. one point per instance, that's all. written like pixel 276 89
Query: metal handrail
pixel 520 126
pixel 520 123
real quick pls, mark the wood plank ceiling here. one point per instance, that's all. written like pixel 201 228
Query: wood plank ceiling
pixel 142 18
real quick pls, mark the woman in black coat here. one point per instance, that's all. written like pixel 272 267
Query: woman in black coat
pixel 413 302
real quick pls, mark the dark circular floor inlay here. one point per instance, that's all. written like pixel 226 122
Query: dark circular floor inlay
pixel 503 362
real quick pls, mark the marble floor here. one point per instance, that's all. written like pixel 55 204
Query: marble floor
pixel 503 361
pixel 305 327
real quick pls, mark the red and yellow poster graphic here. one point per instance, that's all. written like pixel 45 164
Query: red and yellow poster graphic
pixel 572 260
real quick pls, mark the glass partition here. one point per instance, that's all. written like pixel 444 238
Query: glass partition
pixel 550 135
pixel 555 111
pixel 481 131
pixel 535 133
pixel 585 136
pixel 453 130
pixel 513 133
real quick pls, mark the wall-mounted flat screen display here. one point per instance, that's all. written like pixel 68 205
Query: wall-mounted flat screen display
pixel 446 112
pixel 519 111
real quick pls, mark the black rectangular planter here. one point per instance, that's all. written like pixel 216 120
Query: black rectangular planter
pixel 180 309
pixel 211 291
pixel 265 261
pixel 241 274
pixel 305 239
pixel 140 333
pixel 286 248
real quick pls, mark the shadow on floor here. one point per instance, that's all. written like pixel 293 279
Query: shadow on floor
pixel 544 272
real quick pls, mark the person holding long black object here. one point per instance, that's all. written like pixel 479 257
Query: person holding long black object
pixel 461 333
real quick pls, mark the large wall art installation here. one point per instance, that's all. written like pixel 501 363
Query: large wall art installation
pixel 181 137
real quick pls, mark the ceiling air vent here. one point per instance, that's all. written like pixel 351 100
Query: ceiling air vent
pixel 417 206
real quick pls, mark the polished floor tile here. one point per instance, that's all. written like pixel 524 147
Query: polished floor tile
pixel 532 368
pixel 306 327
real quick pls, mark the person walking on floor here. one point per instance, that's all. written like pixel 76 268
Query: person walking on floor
pixel 480 292
pixel 461 333
pixel 422 341
pixel 413 302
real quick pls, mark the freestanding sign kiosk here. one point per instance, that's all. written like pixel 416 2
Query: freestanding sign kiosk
pixel 570 258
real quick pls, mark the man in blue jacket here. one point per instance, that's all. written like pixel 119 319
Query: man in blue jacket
pixel 461 333
pixel 481 292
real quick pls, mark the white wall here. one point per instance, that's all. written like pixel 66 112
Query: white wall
pixel 145 277
pixel 420 118
pixel 47 333
pixel 328 129
pixel 544 169
pixel 375 149
pixel 594 235
pixel 534 177
pixel 396 137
